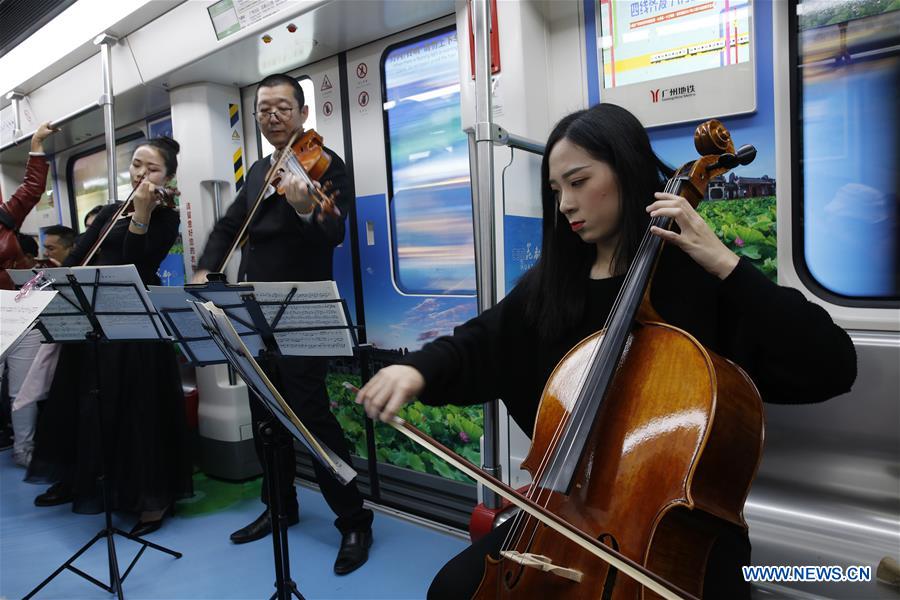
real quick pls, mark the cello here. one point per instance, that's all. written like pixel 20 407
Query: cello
pixel 644 448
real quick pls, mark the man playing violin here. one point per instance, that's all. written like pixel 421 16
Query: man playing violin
pixel 292 238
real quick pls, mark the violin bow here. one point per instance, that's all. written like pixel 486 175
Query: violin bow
pixel 615 559
pixel 270 175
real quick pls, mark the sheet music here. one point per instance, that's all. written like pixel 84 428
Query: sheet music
pixel 226 300
pixel 64 328
pixel 333 342
pixel 62 318
pixel 239 357
pixel 175 304
pixel 17 318
pixel 121 299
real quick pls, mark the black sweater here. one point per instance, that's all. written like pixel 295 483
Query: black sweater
pixel 281 245
pixel 789 346
pixel 122 247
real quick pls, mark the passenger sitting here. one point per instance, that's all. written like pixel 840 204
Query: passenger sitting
pixel 58 242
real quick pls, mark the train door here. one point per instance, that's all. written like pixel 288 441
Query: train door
pixel 405 268
pixel 415 242
pixel 827 488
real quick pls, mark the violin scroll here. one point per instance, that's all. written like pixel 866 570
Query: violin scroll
pixel 326 200
pixel 167 196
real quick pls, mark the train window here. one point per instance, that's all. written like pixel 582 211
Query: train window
pixel 87 176
pixel 309 95
pixel 49 197
pixel 847 118
pixel 428 163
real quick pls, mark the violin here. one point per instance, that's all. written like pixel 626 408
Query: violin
pixel 644 448
pixel 308 160
pixel 165 197
pixel 305 157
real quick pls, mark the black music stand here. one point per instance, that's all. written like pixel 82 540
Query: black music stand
pixel 173 305
pixel 194 340
pixel 86 308
pixel 217 323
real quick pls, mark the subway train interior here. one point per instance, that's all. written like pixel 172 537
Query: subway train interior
pixel 440 110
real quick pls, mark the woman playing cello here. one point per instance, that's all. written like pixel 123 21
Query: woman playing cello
pixel 601 183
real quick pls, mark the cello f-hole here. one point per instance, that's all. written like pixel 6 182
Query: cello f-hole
pixel 610 581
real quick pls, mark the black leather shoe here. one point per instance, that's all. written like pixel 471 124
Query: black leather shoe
pixel 142 528
pixel 354 551
pixel 58 493
pixel 259 528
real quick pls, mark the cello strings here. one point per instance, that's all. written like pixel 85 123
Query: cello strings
pixel 537 488
pixel 537 492
pixel 642 254
pixel 297 168
pixel 521 524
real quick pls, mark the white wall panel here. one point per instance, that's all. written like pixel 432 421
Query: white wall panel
pixel 201 124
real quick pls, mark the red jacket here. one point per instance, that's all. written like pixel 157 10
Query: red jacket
pixel 23 200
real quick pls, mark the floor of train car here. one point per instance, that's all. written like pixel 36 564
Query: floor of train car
pixel 35 541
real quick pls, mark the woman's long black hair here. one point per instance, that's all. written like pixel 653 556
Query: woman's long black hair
pixel 556 287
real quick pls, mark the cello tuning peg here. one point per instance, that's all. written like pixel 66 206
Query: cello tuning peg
pixel 745 154
pixel 725 161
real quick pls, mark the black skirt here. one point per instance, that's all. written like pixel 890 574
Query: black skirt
pixel 135 430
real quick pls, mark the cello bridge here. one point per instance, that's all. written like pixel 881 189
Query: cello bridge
pixel 542 563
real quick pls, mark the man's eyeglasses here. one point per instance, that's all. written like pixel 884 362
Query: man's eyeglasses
pixel 281 113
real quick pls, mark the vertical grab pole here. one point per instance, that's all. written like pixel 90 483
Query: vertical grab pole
pixel 217 212
pixel 484 216
pixel 217 200
pixel 106 42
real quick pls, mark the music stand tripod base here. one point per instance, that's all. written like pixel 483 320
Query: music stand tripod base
pixel 108 532
pixel 285 587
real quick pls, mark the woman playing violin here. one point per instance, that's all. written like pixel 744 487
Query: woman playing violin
pixel 142 403
pixel 146 233
pixel 601 183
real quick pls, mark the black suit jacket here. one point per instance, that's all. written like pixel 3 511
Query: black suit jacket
pixel 281 245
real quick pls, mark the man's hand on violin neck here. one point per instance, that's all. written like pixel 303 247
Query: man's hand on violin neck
pixel 297 194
